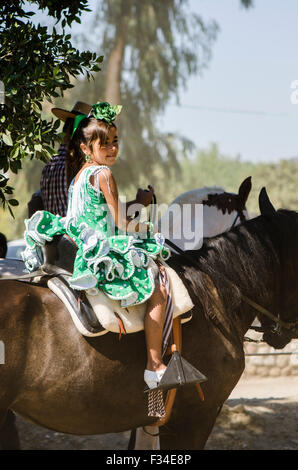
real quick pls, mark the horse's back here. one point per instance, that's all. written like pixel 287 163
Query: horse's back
pixel 198 194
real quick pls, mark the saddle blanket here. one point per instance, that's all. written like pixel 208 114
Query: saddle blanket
pixel 103 307
pixel 131 317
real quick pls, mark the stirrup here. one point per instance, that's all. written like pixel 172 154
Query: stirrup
pixel 179 372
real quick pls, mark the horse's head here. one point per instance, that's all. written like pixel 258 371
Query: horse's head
pixel 284 225
pixel 229 202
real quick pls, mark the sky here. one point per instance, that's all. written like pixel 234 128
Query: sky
pixel 242 101
pixel 253 65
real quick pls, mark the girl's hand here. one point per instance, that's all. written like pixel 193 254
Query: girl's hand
pixel 144 196
pixel 108 186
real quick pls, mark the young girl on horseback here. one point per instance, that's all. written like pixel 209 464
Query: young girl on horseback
pixel 113 255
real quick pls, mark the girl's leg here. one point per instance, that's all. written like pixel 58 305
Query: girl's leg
pixel 154 322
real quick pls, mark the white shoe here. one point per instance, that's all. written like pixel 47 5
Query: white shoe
pixel 153 378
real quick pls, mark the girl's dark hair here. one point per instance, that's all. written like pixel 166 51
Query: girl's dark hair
pixel 68 126
pixel 89 130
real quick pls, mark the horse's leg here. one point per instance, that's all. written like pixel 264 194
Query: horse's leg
pixel 192 435
pixel 147 438
pixel 189 427
pixel 9 437
pixel 132 440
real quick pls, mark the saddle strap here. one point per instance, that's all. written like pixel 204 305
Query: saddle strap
pixel 171 394
pixel 37 273
pixel 168 323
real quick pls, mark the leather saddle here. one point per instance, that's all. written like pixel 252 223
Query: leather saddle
pixel 60 254
pixel 59 257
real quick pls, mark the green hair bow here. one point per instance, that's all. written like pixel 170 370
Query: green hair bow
pixel 105 112
pixel 102 111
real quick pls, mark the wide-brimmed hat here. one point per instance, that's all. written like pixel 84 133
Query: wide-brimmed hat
pixel 79 108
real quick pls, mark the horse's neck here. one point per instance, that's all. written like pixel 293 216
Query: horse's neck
pixel 241 263
pixel 215 222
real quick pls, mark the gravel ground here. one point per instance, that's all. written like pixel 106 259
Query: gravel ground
pixel 260 414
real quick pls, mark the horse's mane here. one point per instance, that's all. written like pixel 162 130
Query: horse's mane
pixel 245 259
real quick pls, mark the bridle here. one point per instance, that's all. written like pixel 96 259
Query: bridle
pixel 214 200
pixel 279 323
pixel 291 326
pixel 235 220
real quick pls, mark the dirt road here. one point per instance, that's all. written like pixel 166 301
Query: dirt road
pixel 260 414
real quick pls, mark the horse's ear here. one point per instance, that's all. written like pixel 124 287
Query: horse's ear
pixel 266 207
pixel 244 190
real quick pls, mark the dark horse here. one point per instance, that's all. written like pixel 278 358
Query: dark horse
pixel 58 379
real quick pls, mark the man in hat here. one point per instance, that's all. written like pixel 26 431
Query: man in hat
pixel 55 178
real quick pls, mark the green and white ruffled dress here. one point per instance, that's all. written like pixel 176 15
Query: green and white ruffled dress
pixel 108 259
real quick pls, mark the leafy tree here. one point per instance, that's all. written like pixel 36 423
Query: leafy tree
pixel 34 66
pixel 25 183
pixel 211 168
pixel 151 48
pixel 280 180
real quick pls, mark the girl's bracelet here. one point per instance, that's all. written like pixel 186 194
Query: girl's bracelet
pixel 150 230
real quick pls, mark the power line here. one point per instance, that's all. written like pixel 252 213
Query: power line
pixel 233 110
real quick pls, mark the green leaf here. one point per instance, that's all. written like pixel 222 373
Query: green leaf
pixel 8 190
pixel 38 147
pixel 13 202
pixel 37 107
pixel 15 151
pixel 7 138
pixel 57 124
pixel 14 166
pixel 11 213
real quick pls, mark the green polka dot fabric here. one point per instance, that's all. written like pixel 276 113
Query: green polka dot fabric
pixel 107 258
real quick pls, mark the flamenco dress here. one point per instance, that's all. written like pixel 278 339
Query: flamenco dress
pixel 107 258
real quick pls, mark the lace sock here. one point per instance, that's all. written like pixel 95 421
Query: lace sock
pixel 152 378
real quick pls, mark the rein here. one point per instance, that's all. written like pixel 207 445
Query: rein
pixel 261 309
pixel 288 325
pixel 235 220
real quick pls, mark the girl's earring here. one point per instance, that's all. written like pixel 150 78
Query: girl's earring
pixel 87 158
